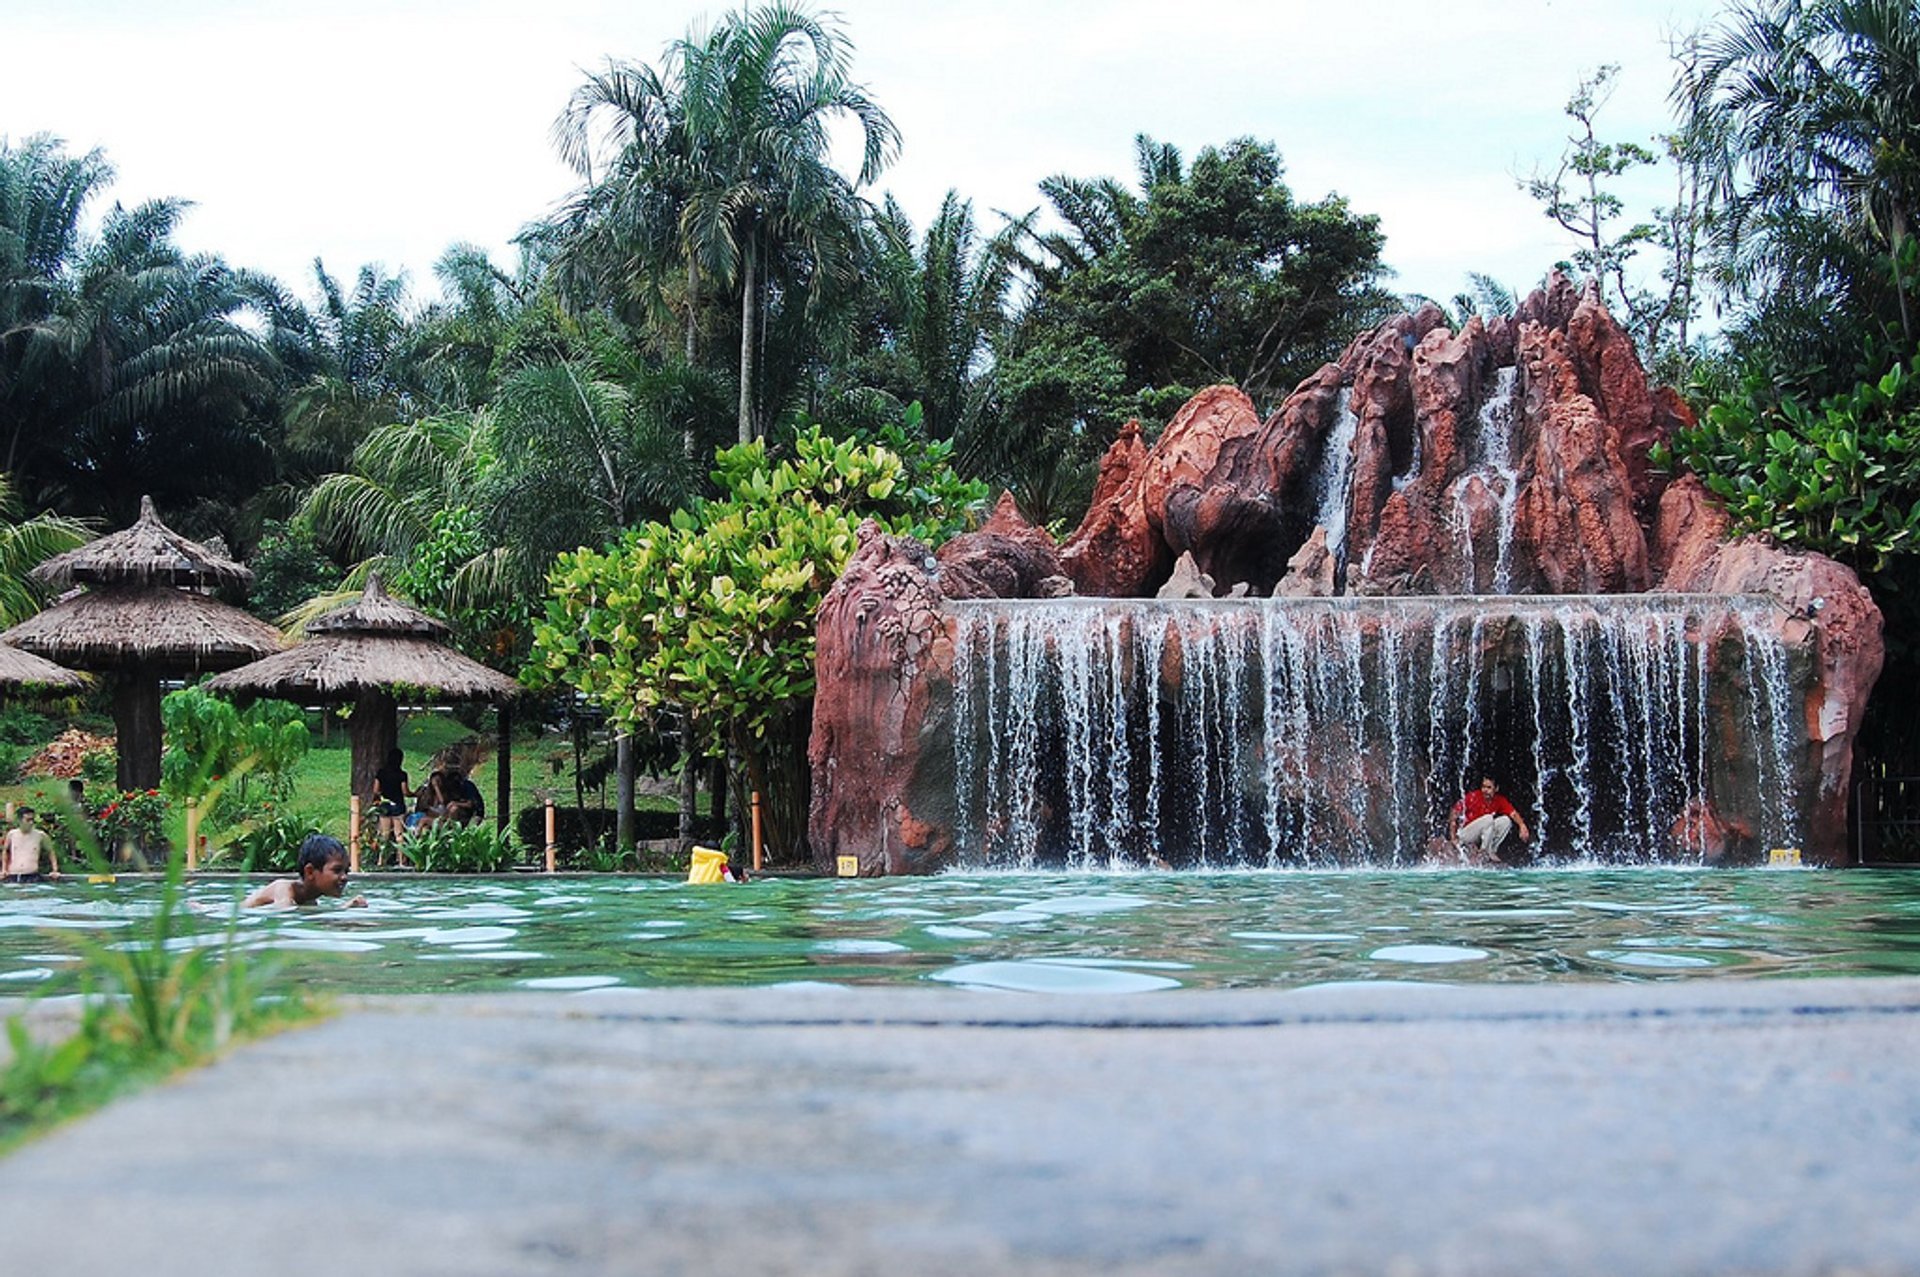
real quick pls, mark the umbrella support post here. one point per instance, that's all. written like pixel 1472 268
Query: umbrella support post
pixel 193 834
pixel 553 846
pixel 353 834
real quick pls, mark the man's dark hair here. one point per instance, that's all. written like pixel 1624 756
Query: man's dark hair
pixel 25 810
pixel 318 849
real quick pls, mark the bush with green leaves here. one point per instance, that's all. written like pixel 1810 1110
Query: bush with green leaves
pixel 269 843
pixel 447 847
pixel 1842 477
pixel 215 752
pixel 710 615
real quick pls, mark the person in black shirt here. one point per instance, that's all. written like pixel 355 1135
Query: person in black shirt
pixel 390 791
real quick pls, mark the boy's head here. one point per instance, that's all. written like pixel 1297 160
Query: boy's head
pixel 25 815
pixel 323 864
pixel 395 758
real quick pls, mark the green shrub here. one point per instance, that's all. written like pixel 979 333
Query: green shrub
pixel 99 766
pixel 270 844
pixel 446 847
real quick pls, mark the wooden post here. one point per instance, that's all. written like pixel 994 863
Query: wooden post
pixel 193 834
pixel 756 831
pixel 553 845
pixel 9 811
pixel 353 834
pixel 503 766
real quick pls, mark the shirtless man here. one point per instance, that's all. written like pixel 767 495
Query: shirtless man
pixel 20 854
pixel 323 872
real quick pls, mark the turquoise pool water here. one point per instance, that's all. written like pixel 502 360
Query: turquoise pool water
pixel 1041 932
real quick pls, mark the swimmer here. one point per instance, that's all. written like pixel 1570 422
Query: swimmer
pixel 20 853
pixel 323 872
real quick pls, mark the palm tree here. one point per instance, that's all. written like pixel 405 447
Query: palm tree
pixel 153 384
pixel 719 166
pixel 25 543
pixel 1804 116
pixel 43 194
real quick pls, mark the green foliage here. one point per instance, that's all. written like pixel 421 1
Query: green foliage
pixel 714 168
pixel 1213 273
pixel 98 766
pixel 1804 119
pixel 288 569
pixel 127 366
pixel 151 1006
pixel 447 847
pixel 1842 478
pixel 133 817
pixel 711 613
pixel 270 843
pixel 213 749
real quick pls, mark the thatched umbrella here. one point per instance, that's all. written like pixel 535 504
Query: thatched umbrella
pixel 24 672
pixel 139 618
pixel 363 653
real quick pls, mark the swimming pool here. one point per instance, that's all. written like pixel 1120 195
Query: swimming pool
pixel 1070 933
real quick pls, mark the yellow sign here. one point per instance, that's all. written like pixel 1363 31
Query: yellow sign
pixel 1784 857
pixel 849 866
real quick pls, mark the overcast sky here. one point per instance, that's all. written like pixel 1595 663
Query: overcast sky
pixel 385 130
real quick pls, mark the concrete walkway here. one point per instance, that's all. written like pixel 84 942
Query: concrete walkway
pixel 1726 1127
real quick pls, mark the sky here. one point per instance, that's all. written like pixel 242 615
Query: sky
pixel 383 131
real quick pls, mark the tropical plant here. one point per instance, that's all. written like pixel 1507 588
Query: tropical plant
pixel 1842 477
pixel 127 367
pixel 213 750
pixel 449 847
pixel 716 165
pixel 1210 273
pixel 351 373
pixel 269 843
pixel 1804 119
pixel 25 543
pixel 709 615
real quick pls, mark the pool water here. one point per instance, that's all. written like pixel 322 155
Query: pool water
pixel 1070 933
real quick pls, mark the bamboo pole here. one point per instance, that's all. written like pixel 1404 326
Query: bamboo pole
pixel 193 834
pixel 353 834
pixel 553 844
pixel 756 831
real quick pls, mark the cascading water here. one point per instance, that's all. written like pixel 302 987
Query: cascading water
pixel 1333 483
pixel 1293 731
pixel 1496 473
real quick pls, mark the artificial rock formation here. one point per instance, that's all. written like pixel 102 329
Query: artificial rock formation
pixel 1508 458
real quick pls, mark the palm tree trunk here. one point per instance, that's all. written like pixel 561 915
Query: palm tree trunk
pixel 749 320
pixel 693 289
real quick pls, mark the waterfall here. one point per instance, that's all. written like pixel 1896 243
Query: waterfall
pixel 1258 732
pixel 1333 486
pixel 1494 470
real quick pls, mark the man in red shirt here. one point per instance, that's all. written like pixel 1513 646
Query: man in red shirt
pixel 1481 821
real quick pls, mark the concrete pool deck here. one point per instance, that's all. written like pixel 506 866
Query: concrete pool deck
pixel 1706 1127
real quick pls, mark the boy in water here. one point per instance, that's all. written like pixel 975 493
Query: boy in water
pixel 323 872
pixel 20 854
